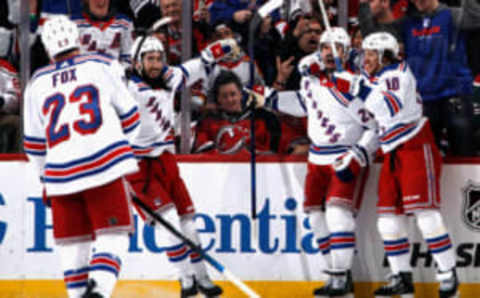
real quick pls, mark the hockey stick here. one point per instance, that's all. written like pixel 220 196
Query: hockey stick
pixel 214 263
pixel 326 22
pixel 261 13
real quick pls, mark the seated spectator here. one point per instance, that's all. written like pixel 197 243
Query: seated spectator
pixel 9 107
pixel 103 31
pixel 228 130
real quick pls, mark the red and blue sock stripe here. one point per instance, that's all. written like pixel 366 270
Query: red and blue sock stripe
pixel 195 257
pixel 396 247
pixel 342 240
pixel 324 245
pixel 177 253
pixel 439 244
pixel 76 278
pixel 105 262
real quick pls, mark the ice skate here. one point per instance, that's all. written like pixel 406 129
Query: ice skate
pixel 189 286
pixel 324 290
pixel 398 285
pixel 448 284
pixel 207 287
pixel 342 284
pixel 89 293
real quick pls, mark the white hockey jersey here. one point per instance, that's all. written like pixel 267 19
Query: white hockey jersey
pixel 157 115
pixel 78 119
pixel 113 37
pixel 9 87
pixel 336 120
pixel 396 105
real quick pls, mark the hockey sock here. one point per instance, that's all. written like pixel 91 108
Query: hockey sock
pixel 393 230
pixel 341 225
pixel 177 251
pixel 430 223
pixel 197 264
pixel 105 262
pixel 74 258
pixel 320 230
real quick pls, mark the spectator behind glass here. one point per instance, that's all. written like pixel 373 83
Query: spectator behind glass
pixel 239 65
pixel 9 102
pixel 303 40
pixel 227 130
pixel 171 36
pixel 103 31
pixel 435 51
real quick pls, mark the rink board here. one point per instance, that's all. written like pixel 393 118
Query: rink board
pixel 282 262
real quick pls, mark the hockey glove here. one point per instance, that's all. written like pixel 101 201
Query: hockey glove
pixel 224 49
pixel 258 97
pixel 311 65
pixel 349 165
pixel 360 89
pixel 46 200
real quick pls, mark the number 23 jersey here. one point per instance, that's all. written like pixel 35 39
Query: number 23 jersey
pixel 79 118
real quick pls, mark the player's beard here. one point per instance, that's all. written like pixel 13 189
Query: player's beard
pixel 156 82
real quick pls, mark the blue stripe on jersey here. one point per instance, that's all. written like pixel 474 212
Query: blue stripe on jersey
pixel 91 173
pixel 88 158
pixel 321 150
pixel 300 100
pixel 129 113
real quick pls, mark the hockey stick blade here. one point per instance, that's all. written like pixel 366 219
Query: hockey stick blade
pixel 268 7
pixel 160 23
pixel 214 263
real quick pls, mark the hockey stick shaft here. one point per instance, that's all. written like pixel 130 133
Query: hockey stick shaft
pixel 326 22
pixel 215 264
pixel 253 173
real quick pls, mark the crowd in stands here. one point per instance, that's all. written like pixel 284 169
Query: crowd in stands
pixel 438 40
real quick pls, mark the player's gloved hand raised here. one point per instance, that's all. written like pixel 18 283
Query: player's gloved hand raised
pixel 360 88
pixel 311 65
pixel 344 81
pixel 224 49
pixel 349 165
pixel 258 97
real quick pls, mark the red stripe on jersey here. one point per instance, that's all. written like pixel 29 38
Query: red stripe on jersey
pixel 90 165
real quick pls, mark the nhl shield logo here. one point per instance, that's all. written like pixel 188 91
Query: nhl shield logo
pixel 471 206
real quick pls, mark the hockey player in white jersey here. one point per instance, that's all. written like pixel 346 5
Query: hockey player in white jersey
pixel 158 183
pixel 344 140
pixel 79 117
pixel 410 176
pixel 102 31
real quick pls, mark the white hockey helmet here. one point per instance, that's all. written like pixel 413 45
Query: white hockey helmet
pixel 59 35
pixel 150 44
pixel 337 35
pixel 381 42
